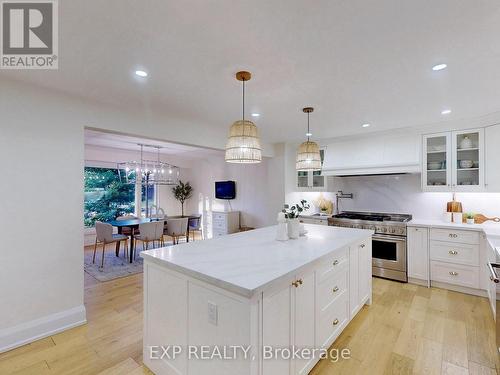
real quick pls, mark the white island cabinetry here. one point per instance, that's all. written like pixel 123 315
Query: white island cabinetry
pixel 249 290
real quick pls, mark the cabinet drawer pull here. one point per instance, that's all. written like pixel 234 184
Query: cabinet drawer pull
pixel 300 282
pixel 335 290
pixel 335 262
pixel 453 273
pixel 362 245
pixel 335 322
pixel 295 284
pixel 453 235
pixel 453 252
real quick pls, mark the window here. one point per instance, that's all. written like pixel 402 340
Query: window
pixel 106 197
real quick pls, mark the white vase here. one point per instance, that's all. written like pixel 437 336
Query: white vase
pixel 293 228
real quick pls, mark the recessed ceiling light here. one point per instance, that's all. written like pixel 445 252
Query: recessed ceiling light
pixel 365 125
pixel 309 134
pixel 255 114
pixel 141 73
pixel 446 111
pixel 439 67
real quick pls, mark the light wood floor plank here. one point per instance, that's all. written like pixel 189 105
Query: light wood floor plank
pixel 408 329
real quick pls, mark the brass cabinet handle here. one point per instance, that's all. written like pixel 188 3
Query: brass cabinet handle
pixel 336 289
pixel 335 322
pixel 335 262
pixel 453 273
pixel 295 284
pixel 300 281
pixel 453 252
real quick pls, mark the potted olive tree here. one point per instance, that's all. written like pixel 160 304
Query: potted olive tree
pixel 182 192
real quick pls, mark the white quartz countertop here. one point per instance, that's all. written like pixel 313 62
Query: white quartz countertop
pixel 489 228
pixel 246 262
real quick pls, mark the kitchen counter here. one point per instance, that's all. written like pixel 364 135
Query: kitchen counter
pixel 250 290
pixel 246 262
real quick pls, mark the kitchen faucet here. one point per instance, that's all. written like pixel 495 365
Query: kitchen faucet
pixel 340 195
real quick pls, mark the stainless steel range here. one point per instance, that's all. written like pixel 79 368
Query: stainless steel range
pixel 388 242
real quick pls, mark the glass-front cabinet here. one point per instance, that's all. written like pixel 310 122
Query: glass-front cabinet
pixel 453 161
pixel 436 175
pixel 468 160
pixel 312 180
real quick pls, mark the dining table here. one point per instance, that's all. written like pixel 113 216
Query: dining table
pixel 133 224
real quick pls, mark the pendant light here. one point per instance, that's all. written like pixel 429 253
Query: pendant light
pixel 243 143
pixel 308 156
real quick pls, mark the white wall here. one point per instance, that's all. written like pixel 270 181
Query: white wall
pixel 41 149
pixel 402 194
pixel 259 188
pixel 41 185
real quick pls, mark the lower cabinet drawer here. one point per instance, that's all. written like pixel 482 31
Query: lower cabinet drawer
pixel 335 263
pixel 451 235
pixel 331 321
pixel 218 216
pixel 218 233
pixel 328 291
pixel 219 224
pixel 456 274
pixel 455 253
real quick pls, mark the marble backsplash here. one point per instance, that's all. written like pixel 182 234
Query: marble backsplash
pixel 400 194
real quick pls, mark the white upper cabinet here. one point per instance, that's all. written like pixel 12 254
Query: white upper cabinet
pixel 492 140
pixel 436 157
pixel 312 180
pixel 373 155
pixel 453 161
pixel 468 160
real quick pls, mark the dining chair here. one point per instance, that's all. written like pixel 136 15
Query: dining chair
pixel 150 232
pixel 177 228
pixel 194 225
pixel 104 236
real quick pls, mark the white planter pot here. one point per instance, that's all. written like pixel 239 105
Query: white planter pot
pixel 470 221
pixel 293 228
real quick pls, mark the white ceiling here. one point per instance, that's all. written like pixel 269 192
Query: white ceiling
pixel 355 61
pixel 131 143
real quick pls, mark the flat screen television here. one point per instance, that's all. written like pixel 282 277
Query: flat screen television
pixel 225 189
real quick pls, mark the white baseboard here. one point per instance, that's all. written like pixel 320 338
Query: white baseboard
pixel 461 289
pixel 412 280
pixel 37 329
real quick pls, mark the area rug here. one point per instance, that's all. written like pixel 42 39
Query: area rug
pixel 114 267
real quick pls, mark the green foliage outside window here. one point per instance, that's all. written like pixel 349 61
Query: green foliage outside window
pixel 106 197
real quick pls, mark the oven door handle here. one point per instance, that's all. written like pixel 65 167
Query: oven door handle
pixel 493 274
pixel 390 238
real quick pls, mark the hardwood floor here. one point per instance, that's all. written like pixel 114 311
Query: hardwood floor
pixel 408 330
pixel 411 329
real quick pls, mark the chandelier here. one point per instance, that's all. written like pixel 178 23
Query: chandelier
pixel 148 172
pixel 243 143
pixel 308 155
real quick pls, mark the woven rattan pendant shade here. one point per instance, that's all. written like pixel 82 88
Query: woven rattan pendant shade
pixel 243 143
pixel 308 155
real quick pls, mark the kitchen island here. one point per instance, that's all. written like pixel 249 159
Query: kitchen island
pixel 248 298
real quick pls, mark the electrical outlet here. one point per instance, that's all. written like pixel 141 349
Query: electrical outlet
pixel 212 313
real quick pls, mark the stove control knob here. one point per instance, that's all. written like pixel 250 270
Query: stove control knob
pixel 384 230
pixel 393 230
